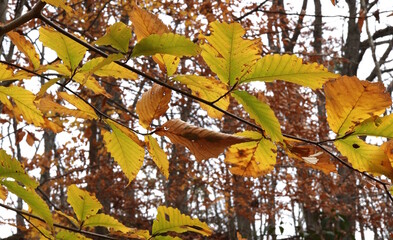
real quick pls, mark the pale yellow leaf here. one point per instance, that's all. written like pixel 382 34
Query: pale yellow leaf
pixel 376 126
pixel 83 203
pixel 104 220
pixel 79 104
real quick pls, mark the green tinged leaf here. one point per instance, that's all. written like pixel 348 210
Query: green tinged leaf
pixel 83 203
pixel 261 113
pixel 124 148
pixel 228 54
pixel 172 220
pixel 365 157
pixel 104 220
pixel 167 43
pixel 34 201
pixel 67 49
pixel 288 68
pixel 118 36
pixel 12 168
pixel 376 126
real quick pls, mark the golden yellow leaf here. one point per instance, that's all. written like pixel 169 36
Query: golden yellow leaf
pixel 375 126
pixel 253 158
pixel 87 110
pixel 349 101
pixel 125 149
pixel 209 89
pixel 203 143
pixel 387 148
pixel 3 193
pixel 153 104
pixel 26 47
pixel 365 157
pixel 49 107
pixel 289 68
pixel 227 53
pixel 158 155
pixel 6 73
pixel 61 4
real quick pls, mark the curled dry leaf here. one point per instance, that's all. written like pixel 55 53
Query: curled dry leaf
pixel 153 104
pixel 203 143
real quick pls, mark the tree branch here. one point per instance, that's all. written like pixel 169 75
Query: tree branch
pixel 33 13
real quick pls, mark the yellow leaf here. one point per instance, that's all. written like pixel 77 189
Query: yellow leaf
pixel 68 235
pixel 6 73
pixel 253 158
pixel 124 148
pixel 158 155
pixel 118 36
pixel 24 101
pixel 172 220
pixel 365 157
pixel 209 89
pixel 153 104
pixel 228 54
pixel 349 101
pixel 80 105
pixel 67 49
pixel 387 148
pixel 83 203
pixel 104 220
pixel 203 143
pixel 26 47
pixel 288 68
pixel 146 24
pixel 60 4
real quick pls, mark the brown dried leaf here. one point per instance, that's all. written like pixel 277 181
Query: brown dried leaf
pixel 153 104
pixel 203 143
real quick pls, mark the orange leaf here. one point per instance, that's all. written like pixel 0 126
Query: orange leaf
pixel 203 143
pixel 153 104
pixel 26 47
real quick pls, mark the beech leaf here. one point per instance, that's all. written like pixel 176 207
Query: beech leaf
pixel 261 113
pixel 349 101
pixel 83 203
pixel 104 220
pixel 203 143
pixel 375 126
pixel 118 36
pixel 365 157
pixel 158 155
pixel 124 148
pixel 87 111
pixel 209 89
pixel 253 158
pixel 166 43
pixel 288 68
pixel 59 3
pixel 153 104
pixel 227 53
pixel 67 49
pixel 172 220
pixel 26 47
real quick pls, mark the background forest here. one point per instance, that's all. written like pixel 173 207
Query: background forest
pixel 296 200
